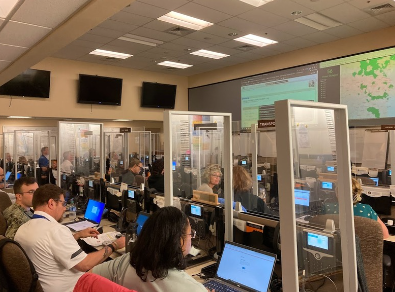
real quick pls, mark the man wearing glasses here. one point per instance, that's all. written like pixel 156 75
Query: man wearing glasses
pixel 135 168
pixel 52 248
pixel 20 212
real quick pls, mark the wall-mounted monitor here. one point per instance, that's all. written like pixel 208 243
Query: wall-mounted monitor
pixel 99 90
pixel 30 83
pixel 157 95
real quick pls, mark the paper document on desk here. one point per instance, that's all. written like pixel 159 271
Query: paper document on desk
pixel 102 239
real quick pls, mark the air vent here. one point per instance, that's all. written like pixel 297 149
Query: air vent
pixel 179 31
pixel 245 48
pixel 380 9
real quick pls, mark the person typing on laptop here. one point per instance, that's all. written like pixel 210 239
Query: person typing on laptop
pixel 157 260
pixel 53 249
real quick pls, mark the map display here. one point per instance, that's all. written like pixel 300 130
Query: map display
pixel 367 88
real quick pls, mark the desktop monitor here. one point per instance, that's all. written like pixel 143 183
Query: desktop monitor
pixel 389 172
pixel 243 162
pixel 376 180
pixel 302 197
pixel 174 164
pixel 90 183
pixel 259 177
pixel 327 185
pixel 196 210
pixel 130 194
pixel 330 168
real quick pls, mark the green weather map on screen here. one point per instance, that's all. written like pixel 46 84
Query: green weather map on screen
pixel 367 88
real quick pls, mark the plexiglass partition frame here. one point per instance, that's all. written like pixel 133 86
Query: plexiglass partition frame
pixel 286 170
pixel 169 118
pixel 64 138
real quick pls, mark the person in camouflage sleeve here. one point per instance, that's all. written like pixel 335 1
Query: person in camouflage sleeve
pixel 20 212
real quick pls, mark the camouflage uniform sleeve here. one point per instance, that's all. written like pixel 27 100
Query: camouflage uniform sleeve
pixel 14 220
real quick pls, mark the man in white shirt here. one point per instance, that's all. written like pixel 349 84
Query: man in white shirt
pixel 53 249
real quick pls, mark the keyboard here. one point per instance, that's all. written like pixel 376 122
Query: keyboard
pixel 219 287
pixel 209 271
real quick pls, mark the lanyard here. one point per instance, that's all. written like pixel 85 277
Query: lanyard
pixel 37 216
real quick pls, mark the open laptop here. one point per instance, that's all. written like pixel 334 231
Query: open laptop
pixel 7 175
pixel 141 218
pixel 92 217
pixel 243 268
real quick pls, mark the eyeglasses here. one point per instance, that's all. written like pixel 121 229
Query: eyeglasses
pixel 31 192
pixel 193 233
pixel 215 175
pixel 64 203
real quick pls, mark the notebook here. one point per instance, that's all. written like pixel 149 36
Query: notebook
pixel 243 268
pixel 92 217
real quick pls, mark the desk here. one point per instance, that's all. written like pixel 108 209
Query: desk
pixel 194 270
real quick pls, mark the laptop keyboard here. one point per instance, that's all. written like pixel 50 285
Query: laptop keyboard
pixel 219 287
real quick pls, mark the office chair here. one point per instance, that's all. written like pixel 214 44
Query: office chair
pixel 5 201
pixel 19 270
pixel 3 224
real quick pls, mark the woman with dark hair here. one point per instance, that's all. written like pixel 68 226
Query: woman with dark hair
pixel 156 262
pixel 157 179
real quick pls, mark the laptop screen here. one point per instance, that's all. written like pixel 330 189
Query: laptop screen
pixel 94 211
pixel 7 175
pixel 141 218
pixel 250 268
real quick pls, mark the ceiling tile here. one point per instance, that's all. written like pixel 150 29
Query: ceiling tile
pixel 249 56
pixel 178 47
pixel 154 34
pixel 124 47
pixel 110 33
pixel 161 53
pixel 23 35
pixel 193 43
pixel 345 13
pixel 86 44
pixel 229 7
pixel 95 38
pixel 366 4
pixel 131 18
pixel 285 8
pixel 222 31
pixel 48 13
pixel 320 37
pixel 4 64
pixel 225 50
pixel 300 42
pixel 117 25
pixel 368 24
pixel 205 37
pixel 72 52
pixel 243 25
pixel 388 17
pixel 202 12
pixel 282 47
pixel 159 25
pixel 146 10
pixel 319 5
pixel 276 35
pixel 295 28
pixel 166 4
pixel 262 17
pixel 343 31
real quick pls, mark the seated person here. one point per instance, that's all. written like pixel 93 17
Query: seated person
pixel 157 179
pixel 135 168
pixel 52 248
pixel 361 210
pixel 211 177
pixel 94 283
pixel 53 171
pixel 156 262
pixel 110 172
pixel 66 166
pixel 20 212
pixel 2 179
pixel 242 184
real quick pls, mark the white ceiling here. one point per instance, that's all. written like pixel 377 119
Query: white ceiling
pixel 273 20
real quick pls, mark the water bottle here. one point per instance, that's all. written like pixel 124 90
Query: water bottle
pixel 72 211
pixel 131 236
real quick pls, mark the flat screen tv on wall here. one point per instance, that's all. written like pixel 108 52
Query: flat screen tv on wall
pixel 99 90
pixel 157 95
pixel 30 83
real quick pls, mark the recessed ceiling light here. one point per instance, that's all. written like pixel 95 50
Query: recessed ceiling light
pixel 296 12
pixel 185 20
pixel 256 3
pixel 19 117
pixel 318 21
pixel 140 40
pixel 110 54
pixel 209 54
pixel 255 40
pixel 235 33
pixel 188 50
pixel 174 65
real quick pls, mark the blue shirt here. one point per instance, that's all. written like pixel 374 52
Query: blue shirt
pixel 43 161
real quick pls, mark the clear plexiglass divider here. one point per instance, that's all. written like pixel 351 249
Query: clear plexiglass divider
pixel 316 206
pixel 198 161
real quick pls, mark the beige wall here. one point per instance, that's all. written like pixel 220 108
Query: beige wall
pixel 63 96
pixel 361 43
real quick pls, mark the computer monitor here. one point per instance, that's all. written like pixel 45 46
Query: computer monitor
pixel 376 180
pixel 389 172
pixel 90 183
pixel 302 197
pixel 243 162
pixel 7 175
pixel 196 210
pixel 141 218
pixel 131 194
pixel 327 185
pixel 259 177
pixel 173 166
pixel 330 168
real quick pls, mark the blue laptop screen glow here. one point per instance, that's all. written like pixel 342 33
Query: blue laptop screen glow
pixel 130 194
pixel 94 211
pixel 376 180
pixel 7 175
pixel 18 175
pixel 259 177
pixel 317 240
pixel 141 218
pixel 196 210
pixel 389 172
pixel 246 267
pixel 302 197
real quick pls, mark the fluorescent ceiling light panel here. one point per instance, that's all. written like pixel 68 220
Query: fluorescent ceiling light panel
pixel 6 6
pixel 19 117
pixel 209 54
pixel 318 21
pixel 256 3
pixel 140 40
pixel 184 20
pixel 110 54
pixel 174 65
pixel 255 40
